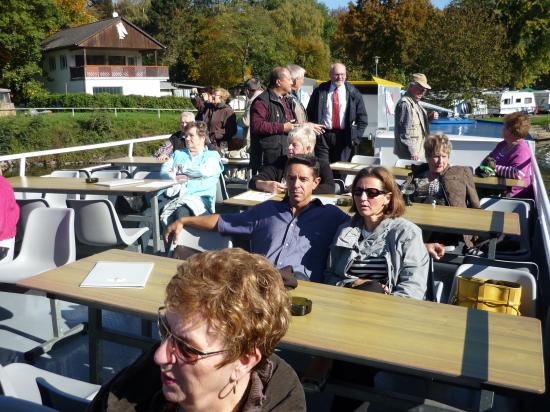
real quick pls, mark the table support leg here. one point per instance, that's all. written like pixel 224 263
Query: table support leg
pixel 156 223
pixel 94 345
pixel 492 247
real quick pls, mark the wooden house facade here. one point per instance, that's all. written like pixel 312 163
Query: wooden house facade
pixel 104 56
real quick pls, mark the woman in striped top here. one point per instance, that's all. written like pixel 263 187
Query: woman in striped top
pixel 379 250
pixel 512 155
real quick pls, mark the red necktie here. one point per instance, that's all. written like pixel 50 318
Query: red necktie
pixel 335 110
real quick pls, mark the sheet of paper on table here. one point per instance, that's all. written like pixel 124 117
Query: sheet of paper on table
pixel 254 196
pixel 120 182
pixel 107 274
pixel 344 165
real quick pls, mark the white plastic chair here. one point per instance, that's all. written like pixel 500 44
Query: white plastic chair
pixel 26 206
pixel 407 162
pixel 364 160
pixel 146 174
pixel 9 403
pixel 523 251
pixel 528 306
pixel 58 199
pixel 48 243
pixel 97 224
pixel 201 240
pixel 20 381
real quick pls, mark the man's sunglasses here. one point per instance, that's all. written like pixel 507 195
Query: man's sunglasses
pixel 180 348
pixel 371 192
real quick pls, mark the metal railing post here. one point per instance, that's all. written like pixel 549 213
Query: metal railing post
pixel 158 111
pixel 130 150
pixel 22 166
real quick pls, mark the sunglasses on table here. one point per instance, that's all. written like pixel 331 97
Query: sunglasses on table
pixel 180 348
pixel 371 192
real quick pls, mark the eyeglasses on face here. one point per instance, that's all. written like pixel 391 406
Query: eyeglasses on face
pixel 180 348
pixel 371 192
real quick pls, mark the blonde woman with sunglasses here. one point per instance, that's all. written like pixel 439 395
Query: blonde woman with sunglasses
pixel 379 250
pixel 223 314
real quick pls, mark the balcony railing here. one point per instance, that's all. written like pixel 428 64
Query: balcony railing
pixel 82 72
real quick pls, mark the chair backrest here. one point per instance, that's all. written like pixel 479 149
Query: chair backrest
pixel 365 160
pixel 49 237
pixel 59 400
pixel 528 306
pixel 26 206
pixel 203 240
pixel 407 162
pixel 8 403
pixel 523 209
pixel 96 222
pixel 221 190
pixel 59 199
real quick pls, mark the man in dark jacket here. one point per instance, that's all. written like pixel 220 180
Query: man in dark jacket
pixel 271 118
pixel 339 107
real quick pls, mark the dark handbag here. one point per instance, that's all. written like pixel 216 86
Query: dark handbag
pixel 126 205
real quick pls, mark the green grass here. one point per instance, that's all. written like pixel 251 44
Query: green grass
pixel 539 119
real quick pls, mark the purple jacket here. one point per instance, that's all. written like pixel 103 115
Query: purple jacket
pixel 515 163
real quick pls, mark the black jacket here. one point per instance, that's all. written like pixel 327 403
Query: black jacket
pixel 356 119
pixel 274 388
pixel 275 173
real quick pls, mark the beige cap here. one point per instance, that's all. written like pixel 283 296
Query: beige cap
pixel 420 78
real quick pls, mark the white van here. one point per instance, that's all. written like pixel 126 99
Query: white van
pixel 516 101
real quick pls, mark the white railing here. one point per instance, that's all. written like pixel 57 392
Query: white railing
pixel 543 206
pixel 22 157
pixel 34 111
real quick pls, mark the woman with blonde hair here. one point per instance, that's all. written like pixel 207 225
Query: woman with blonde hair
pixel 225 311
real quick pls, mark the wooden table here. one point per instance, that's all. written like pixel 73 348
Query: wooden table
pixel 448 343
pixel 448 219
pixel 493 182
pixel 79 186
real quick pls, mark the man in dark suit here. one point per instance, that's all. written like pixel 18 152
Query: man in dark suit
pixel 339 107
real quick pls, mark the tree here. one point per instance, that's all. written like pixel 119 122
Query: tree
pixel 464 51
pixel 302 25
pixel 75 12
pixel 23 25
pixel 240 40
pixel 390 29
pixel 134 10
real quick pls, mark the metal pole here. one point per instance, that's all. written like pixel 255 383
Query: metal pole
pixel 376 58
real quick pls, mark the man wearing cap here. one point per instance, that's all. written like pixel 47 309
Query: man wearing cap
pixel 411 120
pixel 338 106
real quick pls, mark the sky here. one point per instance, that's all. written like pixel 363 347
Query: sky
pixel 335 4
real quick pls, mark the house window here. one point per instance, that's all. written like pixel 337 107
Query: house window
pixel 62 62
pixel 110 90
pixel 52 63
pixel 528 100
pixel 132 61
pixel 94 59
pixel 116 60
pixel 79 60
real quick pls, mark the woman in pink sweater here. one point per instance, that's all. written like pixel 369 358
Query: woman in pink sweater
pixel 9 215
pixel 513 156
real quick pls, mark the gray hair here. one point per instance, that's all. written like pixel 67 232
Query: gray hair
pixel 252 84
pixel 188 114
pixel 305 134
pixel 296 71
pixel 333 65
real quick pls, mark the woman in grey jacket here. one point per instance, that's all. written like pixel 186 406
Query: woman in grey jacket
pixel 379 250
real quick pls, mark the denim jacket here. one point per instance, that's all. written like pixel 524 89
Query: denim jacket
pixel 398 240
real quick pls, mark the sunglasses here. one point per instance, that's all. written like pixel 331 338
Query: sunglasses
pixel 180 348
pixel 371 192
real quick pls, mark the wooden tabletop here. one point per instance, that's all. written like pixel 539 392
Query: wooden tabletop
pixel 424 338
pixel 78 185
pixel 493 182
pixel 447 219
